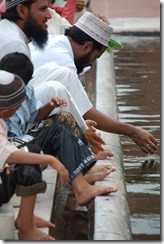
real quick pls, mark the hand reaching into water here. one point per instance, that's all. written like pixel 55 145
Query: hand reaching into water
pixel 144 140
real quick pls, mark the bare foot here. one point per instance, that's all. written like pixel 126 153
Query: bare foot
pixel 101 168
pixel 34 234
pixel 39 222
pixel 97 176
pixel 90 192
pixel 103 154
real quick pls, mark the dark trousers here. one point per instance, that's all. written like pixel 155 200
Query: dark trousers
pixel 59 139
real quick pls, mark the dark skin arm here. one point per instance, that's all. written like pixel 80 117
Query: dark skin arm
pixel 45 110
pixel 141 137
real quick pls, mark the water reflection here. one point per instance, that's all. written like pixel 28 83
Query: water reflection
pixel 137 68
pixel 145 224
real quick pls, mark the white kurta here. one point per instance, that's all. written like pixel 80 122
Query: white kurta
pixel 12 39
pixel 53 80
pixel 58 64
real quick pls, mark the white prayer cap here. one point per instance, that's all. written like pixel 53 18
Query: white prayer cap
pixel 95 27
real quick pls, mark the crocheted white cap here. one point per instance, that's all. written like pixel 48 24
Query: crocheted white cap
pixel 12 3
pixel 95 27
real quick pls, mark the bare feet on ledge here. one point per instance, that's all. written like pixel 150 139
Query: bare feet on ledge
pixel 102 168
pixel 97 173
pixel 34 234
pixel 90 192
pixel 39 222
pixel 103 154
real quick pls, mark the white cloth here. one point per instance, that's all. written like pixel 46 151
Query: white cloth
pixel 6 148
pixel 57 24
pixel 57 47
pixel 55 88
pixel 58 53
pixel 12 39
pixel 77 98
pixel 70 80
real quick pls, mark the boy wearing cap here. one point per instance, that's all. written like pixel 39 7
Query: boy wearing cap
pixel 25 179
pixel 57 138
pixel 82 44
pixel 20 172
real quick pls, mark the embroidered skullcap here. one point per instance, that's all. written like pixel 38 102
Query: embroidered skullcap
pixel 12 3
pixel 12 90
pixel 95 27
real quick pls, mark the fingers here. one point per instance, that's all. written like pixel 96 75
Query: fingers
pixel 97 137
pixel 59 102
pixel 64 178
pixel 144 140
pixel 150 145
pixel 96 149
pixel 102 17
pixel 90 123
pixel 151 148
pixel 80 4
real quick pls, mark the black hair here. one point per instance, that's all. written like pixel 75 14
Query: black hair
pixel 80 37
pixel 18 63
pixel 12 14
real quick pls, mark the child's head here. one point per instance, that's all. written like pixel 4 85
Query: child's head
pixel 19 64
pixel 12 91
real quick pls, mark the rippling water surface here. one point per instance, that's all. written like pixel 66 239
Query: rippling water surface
pixel 137 70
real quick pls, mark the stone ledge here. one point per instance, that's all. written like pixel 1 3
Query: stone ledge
pixel 111 219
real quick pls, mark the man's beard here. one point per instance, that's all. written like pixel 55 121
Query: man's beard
pixel 83 62
pixel 34 32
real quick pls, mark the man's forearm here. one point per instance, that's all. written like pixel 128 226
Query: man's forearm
pixel 108 124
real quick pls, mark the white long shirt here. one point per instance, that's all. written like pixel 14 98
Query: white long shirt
pixel 12 39
pixel 58 64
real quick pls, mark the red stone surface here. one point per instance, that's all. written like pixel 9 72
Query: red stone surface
pixel 127 8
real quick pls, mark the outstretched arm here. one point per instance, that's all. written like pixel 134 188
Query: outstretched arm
pixel 141 137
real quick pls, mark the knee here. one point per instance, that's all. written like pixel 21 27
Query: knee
pixel 29 175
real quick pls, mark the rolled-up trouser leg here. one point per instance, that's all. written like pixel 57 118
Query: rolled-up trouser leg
pixel 24 180
pixel 60 140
